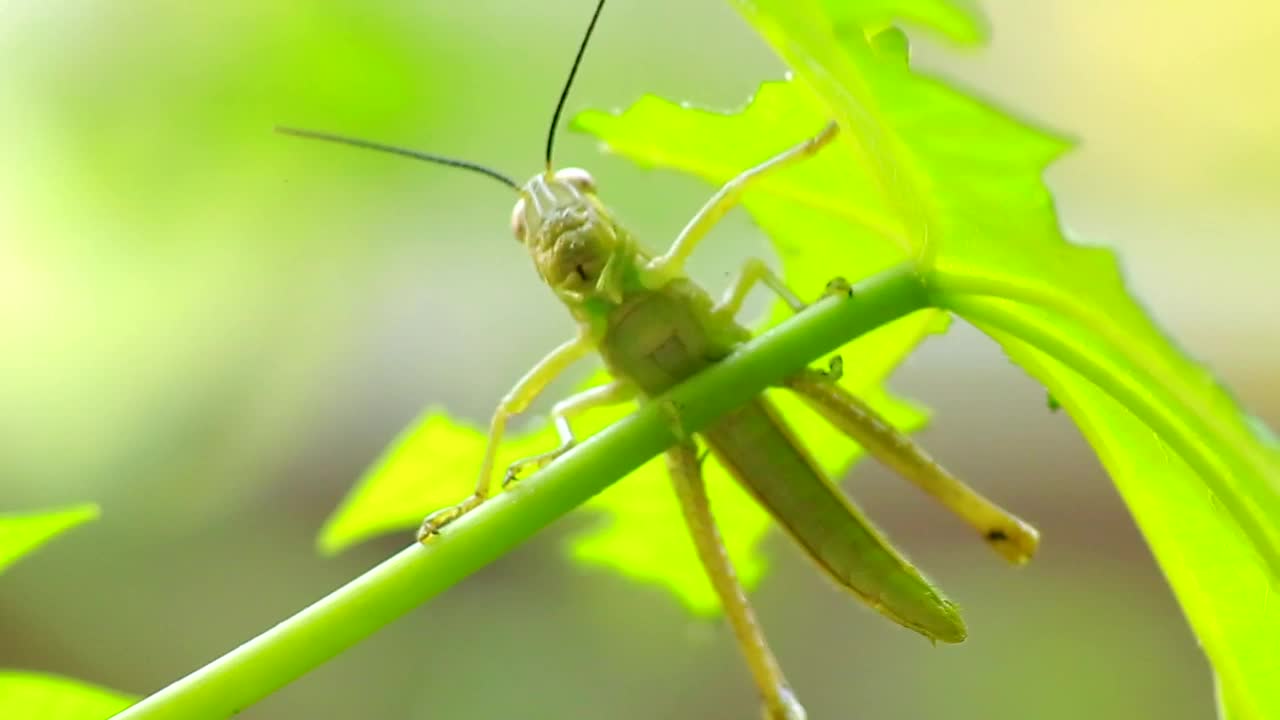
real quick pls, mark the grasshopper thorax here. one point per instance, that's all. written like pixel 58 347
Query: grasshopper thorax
pixel 570 235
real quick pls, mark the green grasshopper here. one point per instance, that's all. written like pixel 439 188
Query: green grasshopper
pixel 654 327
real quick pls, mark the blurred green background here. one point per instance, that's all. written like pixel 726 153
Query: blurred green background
pixel 212 330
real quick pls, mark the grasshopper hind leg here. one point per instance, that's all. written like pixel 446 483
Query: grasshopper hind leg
pixel 1010 537
pixel 685 465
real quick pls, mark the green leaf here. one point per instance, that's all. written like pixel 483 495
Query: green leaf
pixel 22 533
pixel 952 184
pixel 954 19
pixel 432 464
pixel 36 696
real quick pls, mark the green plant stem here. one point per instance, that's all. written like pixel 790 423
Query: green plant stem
pixel 417 573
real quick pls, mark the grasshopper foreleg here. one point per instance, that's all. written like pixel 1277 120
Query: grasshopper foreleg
pixel 686 473
pixel 658 271
pixel 562 412
pixel 513 403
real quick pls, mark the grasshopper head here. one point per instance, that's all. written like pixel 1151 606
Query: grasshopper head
pixel 569 234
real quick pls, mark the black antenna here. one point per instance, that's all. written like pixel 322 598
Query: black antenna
pixel 573 71
pixel 405 152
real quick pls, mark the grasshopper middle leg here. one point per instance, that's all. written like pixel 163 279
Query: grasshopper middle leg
pixel 752 273
pixel 613 393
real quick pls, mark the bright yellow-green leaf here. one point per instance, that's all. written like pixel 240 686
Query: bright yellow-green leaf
pixel 953 18
pixel 946 181
pixel 1227 593
pixel 432 464
pixel 36 696
pixel 21 533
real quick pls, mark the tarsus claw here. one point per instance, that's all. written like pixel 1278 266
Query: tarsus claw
pixel 839 286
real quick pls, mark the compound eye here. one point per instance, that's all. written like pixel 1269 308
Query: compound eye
pixel 578 178
pixel 517 220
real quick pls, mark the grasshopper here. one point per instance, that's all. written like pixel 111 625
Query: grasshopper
pixel 654 327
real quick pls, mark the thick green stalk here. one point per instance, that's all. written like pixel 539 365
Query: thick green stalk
pixel 414 575
pixel 1217 454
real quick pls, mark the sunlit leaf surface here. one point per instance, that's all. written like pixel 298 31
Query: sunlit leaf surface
pixel 36 696
pixel 22 533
